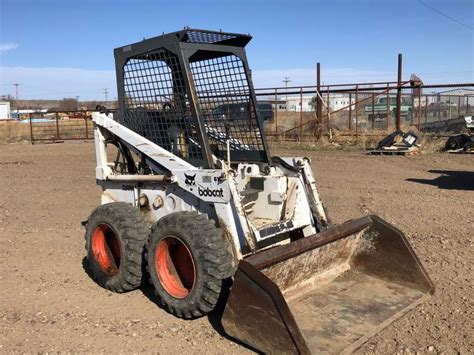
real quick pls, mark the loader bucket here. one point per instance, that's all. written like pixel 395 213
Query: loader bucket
pixel 327 293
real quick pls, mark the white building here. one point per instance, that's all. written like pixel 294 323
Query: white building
pixel 293 103
pixel 336 102
pixel 461 96
pixel 5 110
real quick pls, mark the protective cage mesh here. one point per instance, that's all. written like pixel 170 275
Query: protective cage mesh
pixel 156 104
pixel 224 99
pixel 207 37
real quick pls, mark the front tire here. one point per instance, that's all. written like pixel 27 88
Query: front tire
pixel 115 238
pixel 188 260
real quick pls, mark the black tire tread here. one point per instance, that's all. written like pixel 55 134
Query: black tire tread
pixel 214 256
pixel 129 223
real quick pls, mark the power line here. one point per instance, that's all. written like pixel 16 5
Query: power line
pixel 445 15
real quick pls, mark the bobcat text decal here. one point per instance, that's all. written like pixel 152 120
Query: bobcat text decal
pixel 211 193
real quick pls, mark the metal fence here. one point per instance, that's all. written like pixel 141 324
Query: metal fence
pixel 60 126
pixel 303 113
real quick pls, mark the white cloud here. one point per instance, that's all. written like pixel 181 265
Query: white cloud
pixel 8 46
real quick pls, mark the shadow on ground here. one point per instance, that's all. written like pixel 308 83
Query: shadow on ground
pixel 449 179
pixel 214 318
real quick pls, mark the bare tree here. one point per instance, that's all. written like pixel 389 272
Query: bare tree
pixel 67 104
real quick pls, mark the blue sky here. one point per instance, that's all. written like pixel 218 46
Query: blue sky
pixel 64 48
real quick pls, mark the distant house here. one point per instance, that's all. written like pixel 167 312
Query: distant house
pixel 336 102
pixel 461 96
pixel 5 110
pixel 22 114
pixel 280 104
pixel 293 103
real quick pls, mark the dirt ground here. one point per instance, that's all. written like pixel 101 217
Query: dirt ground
pixel 48 303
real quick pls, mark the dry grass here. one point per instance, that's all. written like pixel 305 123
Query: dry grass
pixel 14 131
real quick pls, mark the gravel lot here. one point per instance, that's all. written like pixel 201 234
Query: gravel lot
pixel 48 303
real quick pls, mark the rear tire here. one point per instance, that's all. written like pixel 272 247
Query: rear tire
pixel 188 260
pixel 115 238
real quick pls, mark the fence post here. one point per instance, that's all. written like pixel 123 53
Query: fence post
pixel 467 105
pixel 387 109
pixel 57 125
pixel 301 113
pixel 328 124
pixel 449 107
pixel 373 111
pixel 32 138
pixel 426 108
pixel 357 115
pixel 419 109
pixel 276 113
pixel 459 105
pixel 399 90
pixel 319 108
pixel 87 127
pixel 350 111
pixel 439 107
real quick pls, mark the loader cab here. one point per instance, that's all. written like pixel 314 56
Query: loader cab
pixel 191 93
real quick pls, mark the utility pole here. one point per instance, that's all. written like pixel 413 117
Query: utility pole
pixel 105 91
pixel 17 108
pixel 77 100
pixel 286 81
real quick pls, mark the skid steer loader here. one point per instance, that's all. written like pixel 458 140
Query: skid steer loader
pixel 195 203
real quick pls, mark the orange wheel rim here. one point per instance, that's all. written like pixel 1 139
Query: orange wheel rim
pixel 106 249
pixel 175 267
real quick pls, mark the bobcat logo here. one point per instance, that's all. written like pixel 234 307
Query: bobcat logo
pixel 190 179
